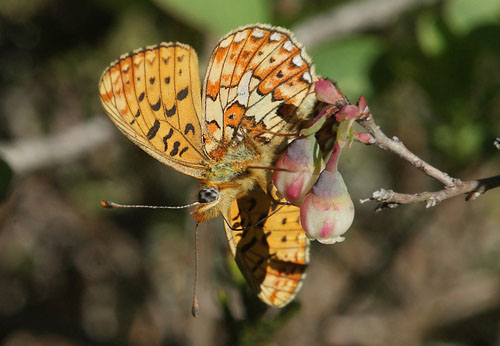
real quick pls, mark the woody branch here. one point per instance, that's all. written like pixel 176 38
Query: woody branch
pixel 452 186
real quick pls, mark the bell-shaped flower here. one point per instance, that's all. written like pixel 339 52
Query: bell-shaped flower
pixel 327 210
pixel 297 169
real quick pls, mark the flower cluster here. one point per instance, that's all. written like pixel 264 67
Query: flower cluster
pixel 305 180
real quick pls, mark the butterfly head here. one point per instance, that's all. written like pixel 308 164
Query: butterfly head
pixel 208 194
pixel 208 199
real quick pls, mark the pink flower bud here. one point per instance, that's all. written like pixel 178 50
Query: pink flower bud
pixel 302 161
pixel 327 92
pixel 327 210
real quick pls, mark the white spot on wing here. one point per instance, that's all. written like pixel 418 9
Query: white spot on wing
pixel 226 42
pixel 260 106
pixel 288 46
pixel 240 36
pixel 275 37
pixel 125 66
pixel 213 111
pixel 257 33
pixel 307 77
pixel 243 92
pixel 297 60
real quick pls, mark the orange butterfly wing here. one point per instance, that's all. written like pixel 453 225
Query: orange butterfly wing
pixel 153 96
pixel 258 79
pixel 259 82
pixel 269 245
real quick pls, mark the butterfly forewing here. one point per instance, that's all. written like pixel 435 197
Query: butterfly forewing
pixel 259 84
pixel 269 246
pixel 257 79
pixel 153 97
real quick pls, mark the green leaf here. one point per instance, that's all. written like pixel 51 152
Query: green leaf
pixel 213 15
pixel 464 15
pixel 348 62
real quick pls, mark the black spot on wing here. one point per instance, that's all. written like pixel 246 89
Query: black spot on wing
pixel 166 138
pixel 153 130
pixel 152 80
pixel 213 122
pixel 170 111
pixel 181 95
pixel 248 245
pixel 264 238
pixel 167 80
pixel 286 110
pixel 180 57
pixel 141 97
pixel 189 127
pixel 258 264
pixel 283 240
pixel 138 113
pixel 175 149
pixel 252 205
pixel 283 221
pixel 157 105
pixel 183 151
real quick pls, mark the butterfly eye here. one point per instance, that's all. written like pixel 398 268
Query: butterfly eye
pixel 208 194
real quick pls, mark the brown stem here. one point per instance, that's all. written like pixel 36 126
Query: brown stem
pixel 453 186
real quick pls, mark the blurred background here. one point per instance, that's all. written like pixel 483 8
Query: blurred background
pixel 73 273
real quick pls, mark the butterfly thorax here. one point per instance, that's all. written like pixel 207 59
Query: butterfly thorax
pixel 233 176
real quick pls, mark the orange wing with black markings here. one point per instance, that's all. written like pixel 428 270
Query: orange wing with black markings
pixel 257 81
pixel 269 245
pixel 153 96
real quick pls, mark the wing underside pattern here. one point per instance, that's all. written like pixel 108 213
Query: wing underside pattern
pixel 257 79
pixel 153 96
pixel 269 246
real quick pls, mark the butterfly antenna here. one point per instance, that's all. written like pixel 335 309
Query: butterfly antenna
pixel 269 168
pixel 113 205
pixel 194 308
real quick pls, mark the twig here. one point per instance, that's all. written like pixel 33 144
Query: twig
pixel 452 186
pixel 26 155
pixel 396 146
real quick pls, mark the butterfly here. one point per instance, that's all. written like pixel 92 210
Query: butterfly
pixel 258 86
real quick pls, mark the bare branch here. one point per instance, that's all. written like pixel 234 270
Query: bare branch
pixel 452 186
pixel 396 146
pixel 30 154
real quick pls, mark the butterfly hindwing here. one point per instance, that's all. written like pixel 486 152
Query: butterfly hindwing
pixel 269 246
pixel 258 85
pixel 257 79
pixel 153 96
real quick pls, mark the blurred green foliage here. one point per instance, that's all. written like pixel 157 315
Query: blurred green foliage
pixel 216 16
